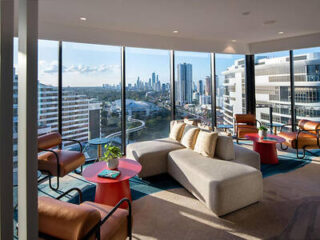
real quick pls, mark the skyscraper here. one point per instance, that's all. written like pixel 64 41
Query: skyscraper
pixel 153 81
pixel 200 87
pixel 184 83
pixel 208 86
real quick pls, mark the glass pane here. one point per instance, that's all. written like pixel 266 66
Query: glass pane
pixel 307 83
pixel 148 103
pixel 193 86
pixel 272 81
pixel 231 93
pixel 47 86
pixel 91 95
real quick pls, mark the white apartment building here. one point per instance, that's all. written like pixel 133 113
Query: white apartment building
pixel 76 112
pixel 272 88
pixel 234 91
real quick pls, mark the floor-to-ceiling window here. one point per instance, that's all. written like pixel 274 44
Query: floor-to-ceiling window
pixel 47 86
pixel 91 93
pixel 193 86
pixel 230 77
pixel 272 82
pixel 307 83
pixel 148 105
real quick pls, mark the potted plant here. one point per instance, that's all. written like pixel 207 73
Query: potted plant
pixel 262 131
pixel 111 156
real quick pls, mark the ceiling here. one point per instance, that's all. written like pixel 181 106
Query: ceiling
pixel 203 25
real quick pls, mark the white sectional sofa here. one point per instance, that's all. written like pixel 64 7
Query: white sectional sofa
pixel 227 182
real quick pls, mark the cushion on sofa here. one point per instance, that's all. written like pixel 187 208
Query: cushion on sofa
pixel 225 148
pixel 204 127
pixel 193 122
pixel 152 155
pixel 189 136
pixel 177 130
pixel 223 186
pixel 206 143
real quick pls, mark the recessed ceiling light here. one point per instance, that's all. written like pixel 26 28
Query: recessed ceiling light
pixel 246 13
pixel 83 19
pixel 175 31
pixel 233 40
pixel 280 33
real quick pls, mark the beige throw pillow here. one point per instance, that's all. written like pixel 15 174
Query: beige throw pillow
pixel 177 131
pixel 187 121
pixel 204 127
pixel 206 143
pixel 189 136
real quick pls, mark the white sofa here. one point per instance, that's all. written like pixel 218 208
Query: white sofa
pixel 229 181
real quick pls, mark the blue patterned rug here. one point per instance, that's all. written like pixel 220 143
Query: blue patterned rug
pixel 140 188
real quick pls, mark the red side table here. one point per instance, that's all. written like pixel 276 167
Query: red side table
pixel 111 191
pixel 266 147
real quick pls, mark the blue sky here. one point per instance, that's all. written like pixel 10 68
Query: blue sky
pixel 94 65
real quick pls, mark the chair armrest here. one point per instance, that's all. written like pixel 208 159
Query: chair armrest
pixel 311 133
pixel 56 155
pixel 63 220
pixel 116 207
pixel 260 124
pixel 70 190
pixel 73 140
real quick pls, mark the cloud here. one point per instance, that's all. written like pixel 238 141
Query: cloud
pixel 52 67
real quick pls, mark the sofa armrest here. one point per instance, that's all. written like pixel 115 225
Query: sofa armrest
pixel 247 156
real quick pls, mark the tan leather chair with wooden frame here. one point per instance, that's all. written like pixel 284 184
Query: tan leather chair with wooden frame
pixel 244 124
pixel 86 220
pixel 307 137
pixel 54 161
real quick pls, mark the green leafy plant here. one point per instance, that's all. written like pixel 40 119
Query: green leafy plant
pixel 111 152
pixel 263 128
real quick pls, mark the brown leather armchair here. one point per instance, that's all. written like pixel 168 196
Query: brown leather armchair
pixel 88 220
pixel 307 136
pixel 244 124
pixel 57 162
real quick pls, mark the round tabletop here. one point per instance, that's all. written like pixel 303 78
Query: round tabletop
pixel 275 124
pixel 98 141
pixel 128 168
pixel 270 139
pixel 224 126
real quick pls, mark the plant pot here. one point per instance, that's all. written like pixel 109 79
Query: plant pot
pixel 113 163
pixel 262 133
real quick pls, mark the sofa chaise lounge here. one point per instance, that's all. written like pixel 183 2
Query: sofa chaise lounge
pixel 227 182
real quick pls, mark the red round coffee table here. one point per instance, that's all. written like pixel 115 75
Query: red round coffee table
pixel 111 191
pixel 266 147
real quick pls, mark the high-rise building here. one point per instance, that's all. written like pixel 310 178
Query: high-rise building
pixel 94 119
pixel 272 88
pixel 150 83
pixel 234 91
pixel 204 99
pixel 153 81
pixel 163 88
pixel 200 87
pixel 208 86
pixel 184 83
pixel 78 112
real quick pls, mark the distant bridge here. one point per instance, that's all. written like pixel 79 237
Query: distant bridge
pixel 130 130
